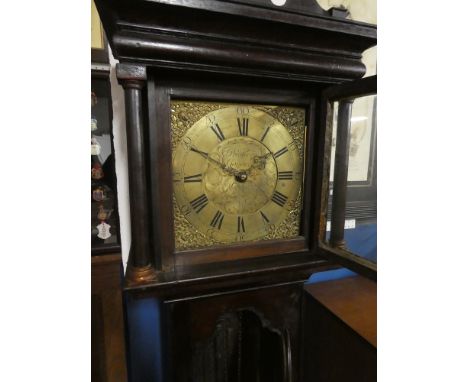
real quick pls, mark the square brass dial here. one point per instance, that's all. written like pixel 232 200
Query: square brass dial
pixel 237 172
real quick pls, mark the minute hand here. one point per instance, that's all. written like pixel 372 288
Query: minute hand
pixel 223 167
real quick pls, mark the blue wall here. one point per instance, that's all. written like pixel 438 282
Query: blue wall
pixel 363 241
pixel 143 339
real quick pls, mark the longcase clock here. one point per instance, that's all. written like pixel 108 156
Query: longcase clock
pixel 226 133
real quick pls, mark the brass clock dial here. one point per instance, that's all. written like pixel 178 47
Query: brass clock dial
pixel 237 175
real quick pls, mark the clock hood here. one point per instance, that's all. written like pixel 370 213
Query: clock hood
pixel 297 41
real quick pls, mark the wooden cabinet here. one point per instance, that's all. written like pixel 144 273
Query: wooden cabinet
pixel 340 330
pixel 108 361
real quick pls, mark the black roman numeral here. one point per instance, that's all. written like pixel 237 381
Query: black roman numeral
pixel 265 133
pixel 193 178
pixel 279 198
pixel 243 127
pixel 240 224
pixel 217 220
pixel 218 132
pixel 280 152
pixel 264 217
pixel 285 175
pixel 199 203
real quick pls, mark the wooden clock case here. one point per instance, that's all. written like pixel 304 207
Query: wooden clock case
pixel 226 51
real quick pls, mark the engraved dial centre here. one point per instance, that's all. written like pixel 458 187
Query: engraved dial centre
pixel 246 178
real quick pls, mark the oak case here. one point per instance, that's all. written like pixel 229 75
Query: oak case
pixel 160 171
pixel 247 52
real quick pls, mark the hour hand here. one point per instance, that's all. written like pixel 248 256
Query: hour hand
pixel 259 162
pixel 265 156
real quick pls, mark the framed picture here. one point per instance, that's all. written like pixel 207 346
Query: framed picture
pixel 361 193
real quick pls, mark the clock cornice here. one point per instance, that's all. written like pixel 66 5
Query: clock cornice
pixel 241 38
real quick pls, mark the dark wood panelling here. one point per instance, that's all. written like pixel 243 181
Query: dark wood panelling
pixel 108 343
pixel 98 350
pixel 218 278
pixel 160 159
pixel 246 39
pixel 272 314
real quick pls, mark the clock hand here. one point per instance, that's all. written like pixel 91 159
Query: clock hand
pixel 258 162
pixel 266 155
pixel 223 167
pixel 202 153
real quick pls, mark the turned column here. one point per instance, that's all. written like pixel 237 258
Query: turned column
pixel 340 178
pixel 133 80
